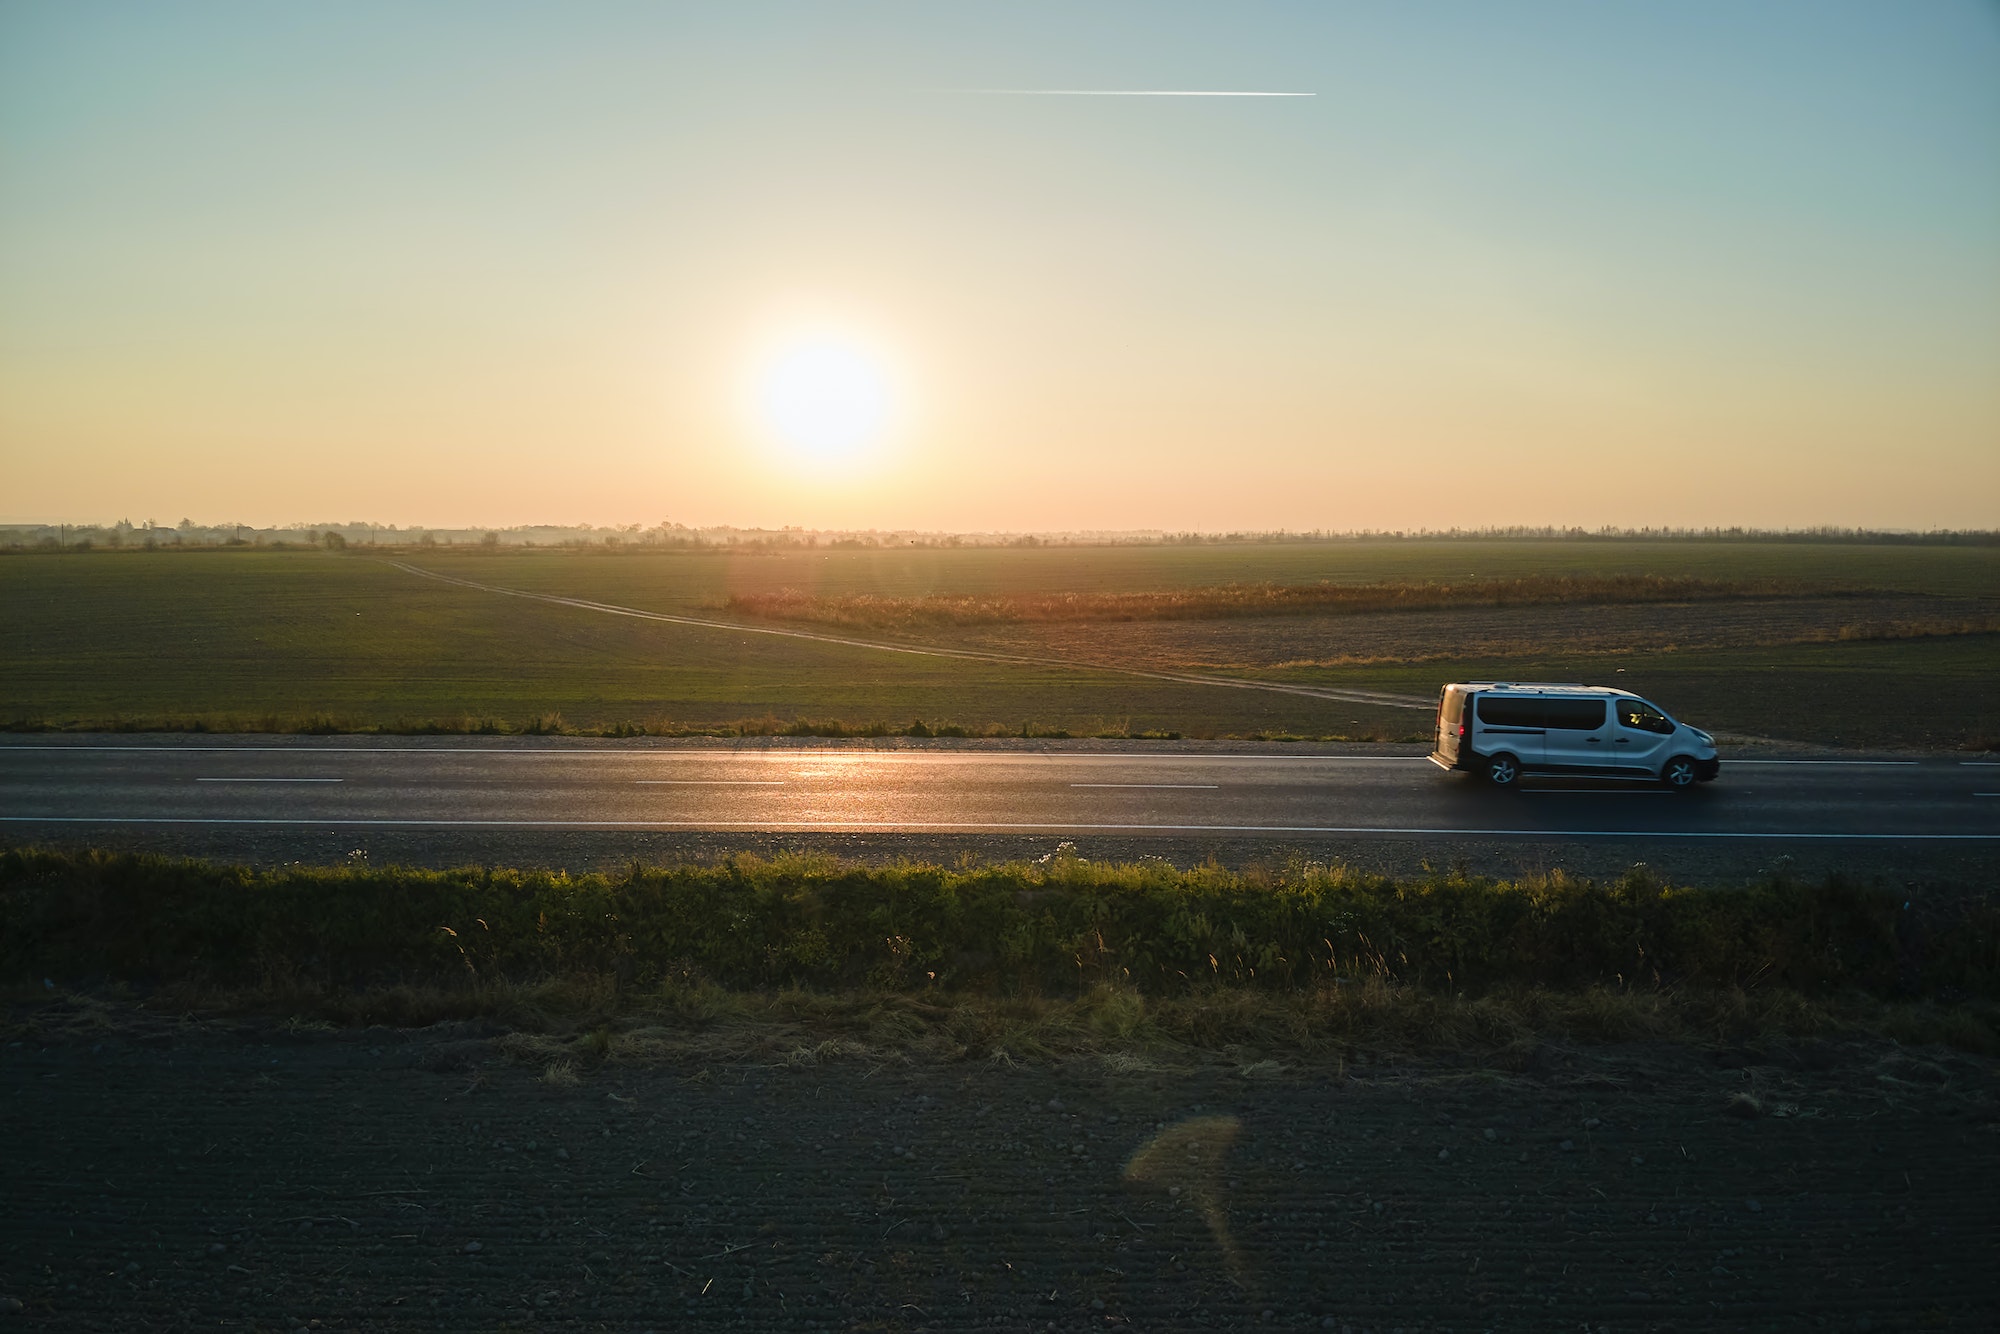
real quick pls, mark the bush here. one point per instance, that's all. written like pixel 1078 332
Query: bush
pixel 1059 925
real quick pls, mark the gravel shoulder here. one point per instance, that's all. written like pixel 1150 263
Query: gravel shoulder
pixel 170 1175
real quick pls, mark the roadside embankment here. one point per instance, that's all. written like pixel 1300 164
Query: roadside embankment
pixel 1304 954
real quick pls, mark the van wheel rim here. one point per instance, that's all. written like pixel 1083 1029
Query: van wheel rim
pixel 1680 773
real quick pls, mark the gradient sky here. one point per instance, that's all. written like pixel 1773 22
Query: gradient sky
pixel 489 263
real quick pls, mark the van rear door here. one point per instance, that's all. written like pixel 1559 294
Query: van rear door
pixel 1451 714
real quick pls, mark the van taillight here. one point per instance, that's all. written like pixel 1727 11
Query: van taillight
pixel 1461 730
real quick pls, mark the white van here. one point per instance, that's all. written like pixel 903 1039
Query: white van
pixel 1503 729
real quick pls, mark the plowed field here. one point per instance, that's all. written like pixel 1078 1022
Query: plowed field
pixel 1482 632
pixel 254 1180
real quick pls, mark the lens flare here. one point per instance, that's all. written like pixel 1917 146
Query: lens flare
pixel 1186 1158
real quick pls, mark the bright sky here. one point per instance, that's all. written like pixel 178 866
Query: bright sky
pixel 492 263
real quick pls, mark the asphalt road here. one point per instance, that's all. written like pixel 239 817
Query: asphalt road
pixel 1138 791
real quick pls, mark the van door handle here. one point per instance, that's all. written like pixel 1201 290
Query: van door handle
pixel 1593 740
pixel 1624 740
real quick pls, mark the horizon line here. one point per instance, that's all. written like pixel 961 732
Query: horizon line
pixel 13 524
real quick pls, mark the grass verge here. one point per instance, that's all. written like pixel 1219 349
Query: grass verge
pixel 1009 960
pixel 575 1025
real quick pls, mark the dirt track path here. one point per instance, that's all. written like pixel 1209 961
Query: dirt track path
pixel 1383 699
pixel 381 1180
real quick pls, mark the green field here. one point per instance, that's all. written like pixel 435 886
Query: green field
pixel 684 581
pixel 249 639
pixel 246 640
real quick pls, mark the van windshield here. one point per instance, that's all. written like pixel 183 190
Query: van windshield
pixel 1640 716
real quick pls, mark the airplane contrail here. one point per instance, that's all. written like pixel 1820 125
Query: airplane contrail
pixel 1128 92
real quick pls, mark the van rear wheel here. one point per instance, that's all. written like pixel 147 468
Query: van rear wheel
pixel 1502 770
pixel 1679 773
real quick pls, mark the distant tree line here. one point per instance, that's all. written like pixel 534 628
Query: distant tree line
pixel 665 536
pixel 1976 537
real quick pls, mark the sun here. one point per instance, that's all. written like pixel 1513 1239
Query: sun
pixel 827 396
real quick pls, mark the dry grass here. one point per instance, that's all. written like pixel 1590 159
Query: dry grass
pixel 560 1075
pixel 1226 601
pixel 1258 1034
pixel 1935 627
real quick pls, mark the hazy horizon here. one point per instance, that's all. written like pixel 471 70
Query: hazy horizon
pixel 468 266
pixel 668 531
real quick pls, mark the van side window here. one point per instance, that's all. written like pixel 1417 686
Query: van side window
pixel 1643 717
pixel 1573 715
pixel 1505 712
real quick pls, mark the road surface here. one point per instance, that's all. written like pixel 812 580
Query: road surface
pixel 1133 791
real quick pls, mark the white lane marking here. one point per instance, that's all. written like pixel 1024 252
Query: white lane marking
pixel 708 782
pixel 1596 792
pixel 892 826
pixel 1866 764
pixel 1986 794
pixel 270 780
pixel 1178 787
pixel 1981 764
pixel 735 753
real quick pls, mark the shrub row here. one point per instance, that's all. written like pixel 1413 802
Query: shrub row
pixel 1048 926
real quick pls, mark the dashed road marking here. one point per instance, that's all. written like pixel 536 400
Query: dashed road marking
pixel 1863 764
pixel 1598 792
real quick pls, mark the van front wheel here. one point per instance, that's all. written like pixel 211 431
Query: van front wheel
pixel 1503 770
pixel 1679 773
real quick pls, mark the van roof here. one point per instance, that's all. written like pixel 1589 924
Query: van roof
pixel 1541 688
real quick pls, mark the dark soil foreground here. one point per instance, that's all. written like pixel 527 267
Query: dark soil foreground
pixel 250 1178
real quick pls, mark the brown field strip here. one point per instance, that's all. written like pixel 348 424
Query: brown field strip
pixel 1487 632
pixel 1266 599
